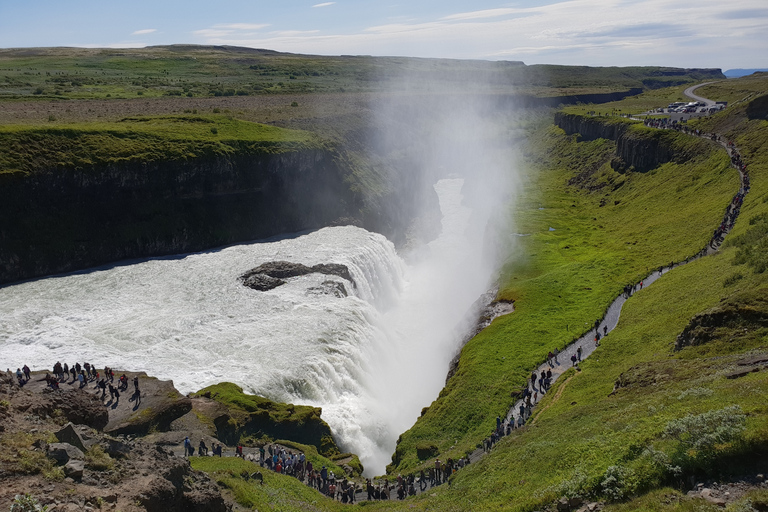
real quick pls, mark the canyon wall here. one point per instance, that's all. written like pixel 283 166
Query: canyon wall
pixel 64 219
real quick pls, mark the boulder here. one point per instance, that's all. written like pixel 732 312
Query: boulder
pixel 117 447
pixel 279 269
pixel 262 282
pixel 272 274
pixel 64 452
pixel 70 435
pixel 74 469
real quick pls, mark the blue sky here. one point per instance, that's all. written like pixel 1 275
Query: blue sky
pixel 681 33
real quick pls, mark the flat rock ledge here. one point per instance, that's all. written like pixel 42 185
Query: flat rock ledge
pixel 272 274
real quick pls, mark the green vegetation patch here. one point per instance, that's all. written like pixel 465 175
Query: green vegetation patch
pixel 31 149
pixel 254 419
pixel 23 453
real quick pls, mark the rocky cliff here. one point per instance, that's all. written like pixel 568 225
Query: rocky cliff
pixel 64 219
pixel 637 148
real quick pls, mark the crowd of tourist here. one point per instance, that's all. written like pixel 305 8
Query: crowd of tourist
pixel 82 375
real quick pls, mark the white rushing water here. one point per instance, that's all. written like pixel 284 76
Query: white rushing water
pixel 372 360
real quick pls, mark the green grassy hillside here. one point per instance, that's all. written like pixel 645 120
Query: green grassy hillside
pixel 612 233
pixel 202 71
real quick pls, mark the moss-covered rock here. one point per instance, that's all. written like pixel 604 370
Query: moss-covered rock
pixel 253 417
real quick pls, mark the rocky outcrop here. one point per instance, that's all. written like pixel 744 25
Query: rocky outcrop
pixel 174 486
pixel 159 405
pixel 76 405
pixel 237 415
pixel 261 282
pixel 728 320
pixel 637 149
pixel 272 274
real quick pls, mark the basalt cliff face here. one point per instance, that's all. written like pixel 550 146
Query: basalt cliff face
pixel 636 150
pixel 60 220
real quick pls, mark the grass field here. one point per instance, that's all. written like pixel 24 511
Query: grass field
pixel 182 137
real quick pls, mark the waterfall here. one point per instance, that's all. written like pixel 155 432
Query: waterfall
pixel 371 360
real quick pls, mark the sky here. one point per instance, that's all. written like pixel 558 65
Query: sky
pixel 682 33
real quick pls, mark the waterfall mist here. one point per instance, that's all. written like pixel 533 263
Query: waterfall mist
pixel 450 138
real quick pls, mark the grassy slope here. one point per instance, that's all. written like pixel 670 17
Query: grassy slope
pixel 279 492
pixel 563 280
pixel 147 139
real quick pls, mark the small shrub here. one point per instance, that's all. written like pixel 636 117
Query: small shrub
pixel 733 279
pixel 695 393
pixel 701 435
pixel 26 503
pixel 51 118
pixel 216 110
pixel 294 104
pixel 139 93
pixel 612 483
pixel 54 474
pixel 97 459
pixel 214 130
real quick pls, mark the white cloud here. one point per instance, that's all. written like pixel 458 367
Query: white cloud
pixel 324 4
pixel 241 26
pixel 587 32
pixel 292 33
pixel 143 31
pixel 486 13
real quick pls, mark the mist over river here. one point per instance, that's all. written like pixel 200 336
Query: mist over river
pixel 371 360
